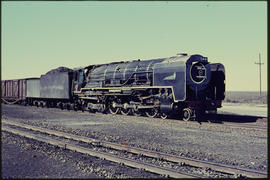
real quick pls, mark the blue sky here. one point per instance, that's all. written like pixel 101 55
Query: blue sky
pixel 40 36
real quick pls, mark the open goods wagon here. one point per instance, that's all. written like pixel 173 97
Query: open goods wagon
pixel 15 91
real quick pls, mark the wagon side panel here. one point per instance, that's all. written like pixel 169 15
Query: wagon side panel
pixel 22 89
pixel 14 89
pixel 33 88
pixel 3 88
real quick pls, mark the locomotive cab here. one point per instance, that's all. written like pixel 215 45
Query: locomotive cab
pixel 78 79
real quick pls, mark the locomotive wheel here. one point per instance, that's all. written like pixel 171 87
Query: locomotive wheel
pixel 89 108
pixel 102 109
pixel 112 108
pixel 83 106
pixel 152 112
pixel 92 110
pixel 163 116
pixel 136 112
pixel 75 107
pixel 186 114
pixel 125 111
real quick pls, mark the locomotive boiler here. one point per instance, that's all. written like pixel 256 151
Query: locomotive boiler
pixel 183 85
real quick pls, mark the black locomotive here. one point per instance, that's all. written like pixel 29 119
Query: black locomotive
pixel 181 85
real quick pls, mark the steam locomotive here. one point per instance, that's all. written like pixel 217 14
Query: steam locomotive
pixel 184 85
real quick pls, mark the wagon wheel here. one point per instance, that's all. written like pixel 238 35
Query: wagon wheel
pixel 68 106
pixel 112 108
pixel 52 104
pixel 72 106
pixel 61 106
pixel 152 112
pixel 163 115
pixel 37 104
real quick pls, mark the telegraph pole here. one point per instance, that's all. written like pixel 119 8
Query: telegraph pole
pixel 260 64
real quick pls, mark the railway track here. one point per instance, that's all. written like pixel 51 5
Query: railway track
pixel 14 127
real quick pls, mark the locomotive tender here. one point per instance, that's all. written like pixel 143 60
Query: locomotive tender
pixel 182 85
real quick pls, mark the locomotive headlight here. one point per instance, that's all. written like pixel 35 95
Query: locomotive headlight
pixel 198 73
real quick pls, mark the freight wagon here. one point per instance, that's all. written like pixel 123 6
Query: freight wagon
pixel 15 91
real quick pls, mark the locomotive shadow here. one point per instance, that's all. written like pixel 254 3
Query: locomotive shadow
pixel 220 118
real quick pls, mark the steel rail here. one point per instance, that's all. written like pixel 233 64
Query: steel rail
pixel 173 158
pixel 75 147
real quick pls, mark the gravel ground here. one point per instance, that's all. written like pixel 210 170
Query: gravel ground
pixel 212 142
pixel 24 161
